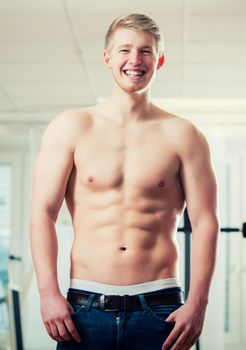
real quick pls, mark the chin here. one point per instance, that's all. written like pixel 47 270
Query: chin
pixel 133 87
pixel 135 90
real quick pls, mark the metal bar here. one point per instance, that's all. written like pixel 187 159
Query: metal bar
pixel 187 231
pixel 223 229
pixel 187 264
pixel 17 318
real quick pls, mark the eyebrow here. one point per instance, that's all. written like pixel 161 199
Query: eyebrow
pixel 142 47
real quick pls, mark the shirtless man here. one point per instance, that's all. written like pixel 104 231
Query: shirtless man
pixel 126 169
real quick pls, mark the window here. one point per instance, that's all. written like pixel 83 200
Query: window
pixel 5 233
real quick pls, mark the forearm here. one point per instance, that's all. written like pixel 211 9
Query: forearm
pixel 44 252
pixel 203 257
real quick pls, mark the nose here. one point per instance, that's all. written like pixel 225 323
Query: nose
pixel 135 58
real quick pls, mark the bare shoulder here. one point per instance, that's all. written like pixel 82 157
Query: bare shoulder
pixel 183 134
pixel 67 126
pixel 176 124
pixel 71 119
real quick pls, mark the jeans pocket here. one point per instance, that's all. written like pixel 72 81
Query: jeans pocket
pixel 77 309
pixel 161 312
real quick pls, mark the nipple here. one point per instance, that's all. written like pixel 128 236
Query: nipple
pixel 161 184
pixel 90 178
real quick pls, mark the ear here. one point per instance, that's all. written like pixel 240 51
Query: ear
pixel 107 59
pixel 161 60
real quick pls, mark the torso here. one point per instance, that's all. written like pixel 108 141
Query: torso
pixel 125 198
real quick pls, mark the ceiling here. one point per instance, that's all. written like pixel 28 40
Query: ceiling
pixel 51 52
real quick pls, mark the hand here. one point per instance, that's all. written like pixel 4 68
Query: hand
pixel 188 326
pixel 56 314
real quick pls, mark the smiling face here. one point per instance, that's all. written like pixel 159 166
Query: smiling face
pixel 133 59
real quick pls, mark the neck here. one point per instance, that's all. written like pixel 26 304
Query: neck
pixel 127 107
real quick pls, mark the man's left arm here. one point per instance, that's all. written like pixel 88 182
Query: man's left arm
pixel 200 189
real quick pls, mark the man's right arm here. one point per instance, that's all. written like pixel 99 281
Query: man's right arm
pixel 52 169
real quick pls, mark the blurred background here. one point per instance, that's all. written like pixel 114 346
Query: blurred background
pixel 51 59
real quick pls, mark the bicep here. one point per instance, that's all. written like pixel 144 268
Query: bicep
pixel 199 180
pixel 53 166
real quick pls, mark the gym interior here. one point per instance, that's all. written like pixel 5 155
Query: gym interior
pixel 51 59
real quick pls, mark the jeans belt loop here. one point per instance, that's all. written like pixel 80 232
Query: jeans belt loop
pixel 126 302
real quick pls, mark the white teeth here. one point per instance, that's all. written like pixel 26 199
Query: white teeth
pixel 134 73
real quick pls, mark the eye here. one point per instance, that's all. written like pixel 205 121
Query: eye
pixel 123 50
pixel 147 52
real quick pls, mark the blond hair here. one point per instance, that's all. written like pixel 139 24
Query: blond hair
pixel 136 21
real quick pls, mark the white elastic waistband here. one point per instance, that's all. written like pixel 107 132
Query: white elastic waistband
pixel 132 289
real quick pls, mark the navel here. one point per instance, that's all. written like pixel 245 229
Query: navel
pixel 161 184
pixel 122 248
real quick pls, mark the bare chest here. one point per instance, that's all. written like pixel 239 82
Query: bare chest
pixel 140 158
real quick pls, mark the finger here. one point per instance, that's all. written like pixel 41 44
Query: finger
pixel 47 326
pixel 54 332
pixel 63 332
pixel 181 342
pixel 72 330
pixel 191 340
pixel 171 318
pixel 171 339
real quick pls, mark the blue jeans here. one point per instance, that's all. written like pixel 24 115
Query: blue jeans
pixel 122 330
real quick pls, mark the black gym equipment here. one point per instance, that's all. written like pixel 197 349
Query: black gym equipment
pixel 17 318
pixel 187 230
